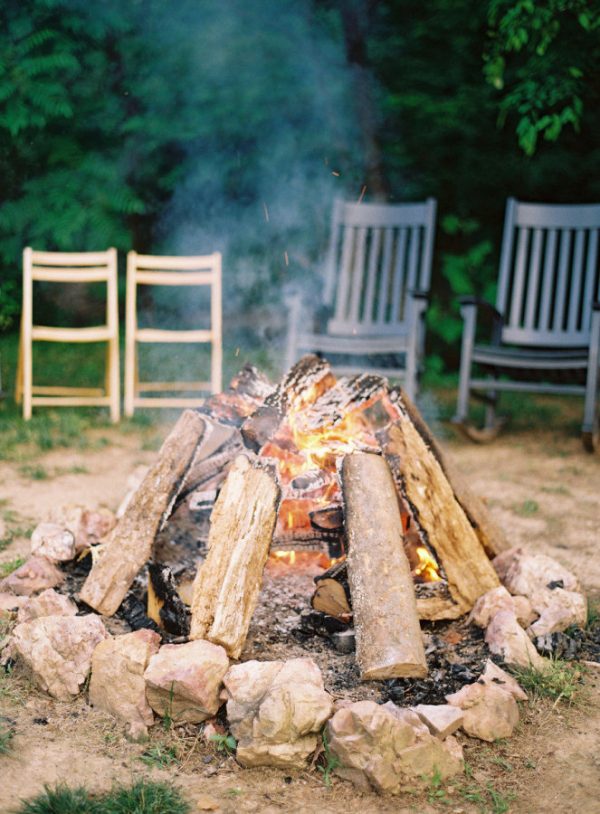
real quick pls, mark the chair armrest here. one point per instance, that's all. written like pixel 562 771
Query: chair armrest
pixel 477 302
pixel 418 294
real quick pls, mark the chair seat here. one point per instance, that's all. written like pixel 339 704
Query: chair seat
pixel 353 345
pixel 512 357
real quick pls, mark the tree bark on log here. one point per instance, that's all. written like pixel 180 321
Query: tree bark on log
pixel 129 544
pixel 438 514
pixel 388 636
pixel 227 584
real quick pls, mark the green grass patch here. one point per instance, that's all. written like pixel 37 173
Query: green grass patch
pixel 7 568
pixel 527 508
pixel 6 736
pixel 159 755
pixel 144 797
pixel 558 681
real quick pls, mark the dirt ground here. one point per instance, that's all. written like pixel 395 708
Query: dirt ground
pixel 541 487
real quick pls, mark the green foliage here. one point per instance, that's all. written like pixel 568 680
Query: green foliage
pixel 224 743
pixel 6 736
pixel 330 761
pixel 559 680
pixel 159 755
pixel 544 57
pixel 144 797
pixel 7 568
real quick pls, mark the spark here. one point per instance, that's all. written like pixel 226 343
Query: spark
pixel 362 193
pixel 266 212
pixel 336 173
pixel 237 351
pixel 286 258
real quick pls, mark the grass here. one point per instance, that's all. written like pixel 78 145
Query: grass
pixel 159 755
pixel 7 568
pixel 144 797
pixel 558 681
pixel 331 761
pixel 6 736
pixel 527 508
pixel 224 743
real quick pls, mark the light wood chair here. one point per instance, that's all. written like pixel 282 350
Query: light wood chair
pixel 375 292
pixel 546 323
pixel 69 267
pixel 171 271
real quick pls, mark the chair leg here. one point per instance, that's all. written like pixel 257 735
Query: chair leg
pixel 19 376
pixel 466 356
pixel 113 371
pixel 590 428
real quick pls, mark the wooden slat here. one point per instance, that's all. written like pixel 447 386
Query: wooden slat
pixel 576 282
pixel 547 285
pixel 78 274
pixel 561 286
pixel 399 272
pixel 160 335
pixel 533 280
pixel 174 277
pixel 176 402
pixel 344 276
pixel 42 390
pixel 162 387
pixel 374 256
pixel 70 258
pixel 519 278
pixel 358 271
pixel 70 401
pixel 386 268
pixel 175 262
pixel 45 333
pixel 413 259
pixel 592 278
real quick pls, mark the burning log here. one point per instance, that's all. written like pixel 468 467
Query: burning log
pixel 165 606
pixel 302 382
pixel 129 544
pixel 437 514
pixel 388 636
pixel 227 585
pixel 332 595
pixel 246 392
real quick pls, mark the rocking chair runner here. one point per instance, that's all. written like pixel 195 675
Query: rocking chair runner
pixel 376 285
pixel 546 324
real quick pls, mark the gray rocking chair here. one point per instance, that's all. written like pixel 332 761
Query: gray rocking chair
pixel 546 324
pixel 376 285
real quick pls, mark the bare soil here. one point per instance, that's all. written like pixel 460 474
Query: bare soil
pixel 541 487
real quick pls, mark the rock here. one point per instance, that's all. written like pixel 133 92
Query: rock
pixel 526 574
pixel 558 609
pixel 48 603
pixel 207 803
pixel 275 710
pixel 37 574
pixel 441 719
pixel 498 599
pixel 407 716
pixel 375 748
pixel 183 681
pixel 53 541
pixel 94 525
pixel 58 651
pixel 524 611
pixel 117 685
pixel 495 676
pixel 490 712
pixel 10 602
pixel 136 732
pixel 506 638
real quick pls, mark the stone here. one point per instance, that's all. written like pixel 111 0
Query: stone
pixel 58 651
pixel 136 732
pixel 498 599
pixel 506 638
pixel 93 526
pixel 558 609
pixel 117 684
pixel 35 575
pixel 498 677
pixel 48 603
pixel 10 602
pixel 490 712
pixel 441 719
pixel 407 716
pixel 53 541
pixel 524 611
pixel 184 681
pixel 275 710
pixel 525 574
pixel 376 749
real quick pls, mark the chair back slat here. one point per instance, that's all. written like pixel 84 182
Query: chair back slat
pixel 378 253
pixel 548 273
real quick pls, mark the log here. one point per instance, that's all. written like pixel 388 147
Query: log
pixel 227 584
pixel 129 544
pixel 246 392
pixel 332 595
pixel 388 637
pixel 437 513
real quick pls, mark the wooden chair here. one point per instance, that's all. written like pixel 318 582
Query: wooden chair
pixel 63 267
pixel 376 286
pixel 546 323
pixel 171 271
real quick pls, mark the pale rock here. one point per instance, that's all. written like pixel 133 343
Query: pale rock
pixel 136 732
pixel 184 681
pixel 441 719
pixel 506 638
pixel 275 710
pixel 10 602
pixel 498 677
pixel 524 611
pixel 375 748
pixel 48 603
pixel 94 525
pixel 498 599
pixel 558 609
pixel 58 651
pixel 35 575
pixel 490 712
pixel 117 684
pixel 407 716
pixel 525 574
pixel 53 541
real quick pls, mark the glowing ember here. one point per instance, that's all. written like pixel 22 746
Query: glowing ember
pixel 427 567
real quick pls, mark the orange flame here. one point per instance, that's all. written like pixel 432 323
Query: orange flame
pixel 427 567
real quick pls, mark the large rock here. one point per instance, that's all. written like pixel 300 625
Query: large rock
pixel 10 602
pixel 275 710
pixel 506 638
pixel 184 681
pixel 58 651
pixel 441 719
pixel 490 712
pixel 117 684
pixel 88 526
pixel 53 541
pixel 498 677
pixel 497 599
pixel 35 575
pixel 48 603
pixel 558 609
pixel 525 574
pixel 375 748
